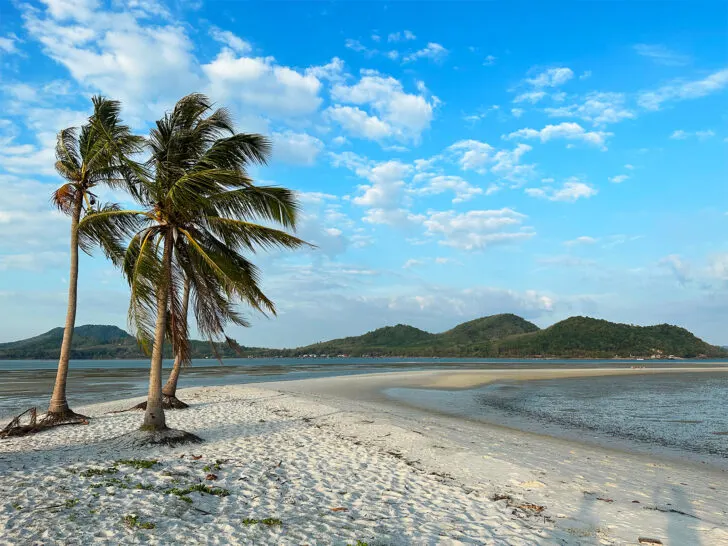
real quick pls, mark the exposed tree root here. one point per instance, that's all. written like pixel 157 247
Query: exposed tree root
pixel 17 428
pixel 164 437
pixel 168 403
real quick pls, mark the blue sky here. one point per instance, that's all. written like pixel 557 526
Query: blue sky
pixel 453 160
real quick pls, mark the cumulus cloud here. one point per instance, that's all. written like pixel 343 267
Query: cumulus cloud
pixel 530 96
pixel 401 36
pixel 566 131
pixel 570 191
pixel 682 90
pixel 438 184
pixel 433 51
pixel 597 108
pixel 477 229
pixel 618 179
pixel 296 148
pixel 481 157
pixel 8 44
pixel 552 77
pixel 394 112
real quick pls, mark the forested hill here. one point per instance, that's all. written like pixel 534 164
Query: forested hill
pixel 94 341
pixel 497 336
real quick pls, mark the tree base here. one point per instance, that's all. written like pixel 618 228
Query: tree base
pixel 146 437
pixel 168 403
pixel 64 417
pixel 16 428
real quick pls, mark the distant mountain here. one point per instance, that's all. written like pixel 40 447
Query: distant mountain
pixel 94 341
pixel 506 336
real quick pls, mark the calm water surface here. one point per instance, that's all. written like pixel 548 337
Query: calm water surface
pixel 682 412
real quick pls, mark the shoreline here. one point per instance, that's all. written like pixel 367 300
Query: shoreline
pixel 297 449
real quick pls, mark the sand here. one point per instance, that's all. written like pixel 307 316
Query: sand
pixel 335 463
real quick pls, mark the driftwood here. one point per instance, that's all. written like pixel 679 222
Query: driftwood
pixel 17 428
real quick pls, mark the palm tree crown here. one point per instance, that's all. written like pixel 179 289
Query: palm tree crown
pixel 199 215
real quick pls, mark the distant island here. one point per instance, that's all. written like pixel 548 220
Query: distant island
pixel 496 336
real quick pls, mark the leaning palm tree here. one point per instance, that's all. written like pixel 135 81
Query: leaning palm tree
pixel 96 155
pixel 199 215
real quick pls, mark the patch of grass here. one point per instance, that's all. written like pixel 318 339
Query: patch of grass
pixel 138 463
pixel 70 503
pixel 17 506
pixel 359 543
pixel 270 522
pixel 211 467
pixel 144 486
pixel 99 472
pixel 132 521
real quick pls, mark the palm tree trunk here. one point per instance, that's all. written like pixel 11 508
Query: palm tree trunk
pixel 58 408
pixel 154 416
pixel 170 389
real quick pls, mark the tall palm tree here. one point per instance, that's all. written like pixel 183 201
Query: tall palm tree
pixel 96 155
pixel 191 227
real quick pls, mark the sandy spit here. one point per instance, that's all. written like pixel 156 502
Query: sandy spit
pixel 306 463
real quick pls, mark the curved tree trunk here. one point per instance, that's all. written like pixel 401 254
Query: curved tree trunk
pixel 169 391
pixel 154 416
pixel 58 409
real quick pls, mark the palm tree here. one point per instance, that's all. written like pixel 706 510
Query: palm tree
pixel 191 228
pixel 98 154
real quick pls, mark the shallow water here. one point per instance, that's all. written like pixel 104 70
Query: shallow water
pixel 684 412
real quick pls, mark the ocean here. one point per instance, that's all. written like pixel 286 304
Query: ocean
pixel 653 413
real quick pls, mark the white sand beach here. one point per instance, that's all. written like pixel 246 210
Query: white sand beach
pixel 330 461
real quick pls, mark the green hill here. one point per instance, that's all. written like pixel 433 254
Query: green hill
pixel 93 341
pixel 504 336
pixel 468 339
pixel 589 337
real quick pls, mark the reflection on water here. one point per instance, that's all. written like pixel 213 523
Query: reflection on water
pixel 684 411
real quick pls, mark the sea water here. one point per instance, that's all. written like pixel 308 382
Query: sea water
pixel 685 412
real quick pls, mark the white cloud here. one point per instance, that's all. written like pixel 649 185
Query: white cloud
pixel 432 51
pixel 36 261
pixel 398 113
pixel 517 112
pixel 296 148
pixel 566 131
pixel 230 40
pixel 358 123
pixel 260 83
pixel 442 183
pixel 481 157
pixel 678 267
pixel 660 54
pixel 583 240
pixel 597 108
pixel 629 167
pixel 477 229
pixel 490 60
pixel 8 44
pixel 401 36
pixel 570 191
pixel 681 90
pixel 619 178
pixel 530 96
pixel 585 75
pixel 355 45
pixel 412 263
pixel 332 71
pixel 700 135
pixel 553 77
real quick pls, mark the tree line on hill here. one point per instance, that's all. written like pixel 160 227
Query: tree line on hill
pixel 497 336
